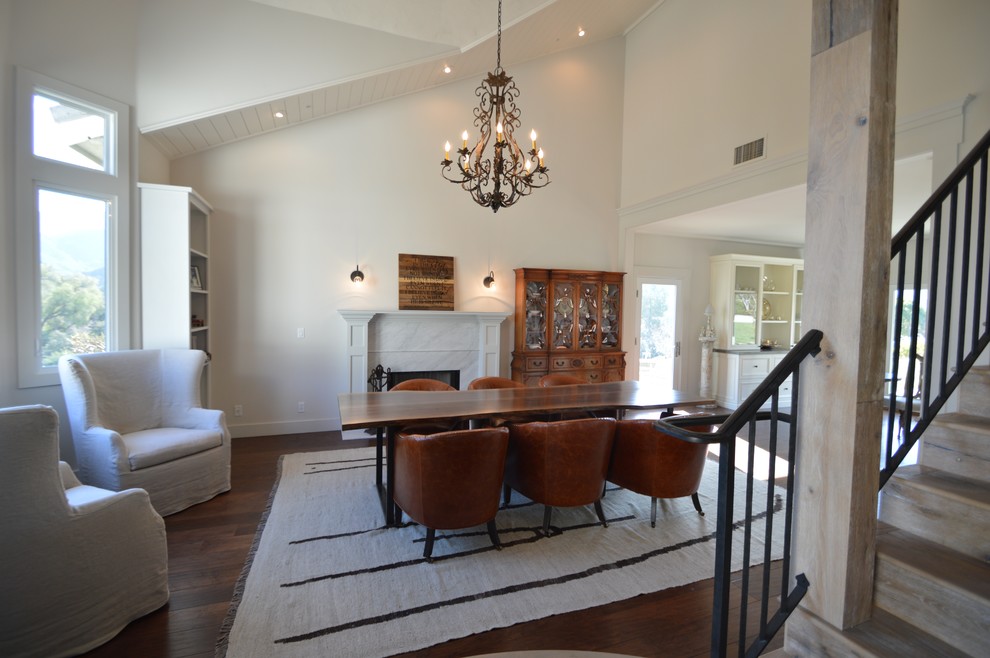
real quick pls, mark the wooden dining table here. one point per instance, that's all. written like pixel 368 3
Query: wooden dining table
pixel 390 411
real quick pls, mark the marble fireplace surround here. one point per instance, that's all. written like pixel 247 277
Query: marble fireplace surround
pixel 422 340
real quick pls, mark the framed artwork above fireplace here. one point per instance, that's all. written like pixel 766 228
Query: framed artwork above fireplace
pixel 426 283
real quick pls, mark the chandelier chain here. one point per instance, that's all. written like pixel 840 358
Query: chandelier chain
pixel 498 48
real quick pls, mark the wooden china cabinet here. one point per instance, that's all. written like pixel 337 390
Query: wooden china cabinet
pixel 568 322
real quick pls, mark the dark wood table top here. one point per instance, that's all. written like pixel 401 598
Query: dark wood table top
pixel 362 410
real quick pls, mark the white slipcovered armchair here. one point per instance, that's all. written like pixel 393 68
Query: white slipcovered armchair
pixel 137 421
pixel 78 563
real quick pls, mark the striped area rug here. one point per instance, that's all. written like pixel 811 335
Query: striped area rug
pixel 326 579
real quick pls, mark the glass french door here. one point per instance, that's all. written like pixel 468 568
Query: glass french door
pixel 659 332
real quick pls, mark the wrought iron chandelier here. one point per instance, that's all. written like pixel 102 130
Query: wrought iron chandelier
pixel 499 180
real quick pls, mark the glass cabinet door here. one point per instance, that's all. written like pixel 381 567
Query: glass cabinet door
pixel 563 315
pixel 776 306
pixel 536 315
pixel 588 313
pixel 798 302
pixel 610 315
pixel 745 297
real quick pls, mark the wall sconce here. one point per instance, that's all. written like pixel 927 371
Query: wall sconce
pixel 490 280
pixel 357 276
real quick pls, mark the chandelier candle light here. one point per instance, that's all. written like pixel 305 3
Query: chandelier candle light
pixel 503 178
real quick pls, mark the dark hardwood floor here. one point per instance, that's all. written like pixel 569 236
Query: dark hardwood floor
pixel 208 545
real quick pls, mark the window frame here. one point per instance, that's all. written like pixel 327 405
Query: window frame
pixel 33 172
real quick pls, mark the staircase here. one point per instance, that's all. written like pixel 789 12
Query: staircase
pixel 932 583
pixel 934 543
pixel 931 594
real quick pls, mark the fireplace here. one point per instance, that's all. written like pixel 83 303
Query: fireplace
pixel 418 341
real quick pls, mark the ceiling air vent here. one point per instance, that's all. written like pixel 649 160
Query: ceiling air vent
pixel 751 151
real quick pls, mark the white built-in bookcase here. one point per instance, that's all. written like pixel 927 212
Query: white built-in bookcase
pixel 175 239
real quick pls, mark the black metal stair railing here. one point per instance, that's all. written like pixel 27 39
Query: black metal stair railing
pixel 940 304
pixel 751 527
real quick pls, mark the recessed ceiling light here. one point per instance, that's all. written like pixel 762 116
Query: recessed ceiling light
pixel 279 114
pixel 580 31
pixel 446 69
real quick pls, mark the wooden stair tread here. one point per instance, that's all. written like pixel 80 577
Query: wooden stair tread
pixel 969 422
pixel 971 492
pixel 960 572
pixel 887 635
pixel 883 635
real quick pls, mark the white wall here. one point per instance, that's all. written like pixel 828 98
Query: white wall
pixel 296 208
pixel 703 78
pixel 153 167
pixel 942 56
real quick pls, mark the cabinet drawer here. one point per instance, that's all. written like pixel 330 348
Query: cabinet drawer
pixel 571 363
pixel 754 365
pixel 613 361
pixel 746 388
pixel 594 376
pixel 576 362
pixel 536 363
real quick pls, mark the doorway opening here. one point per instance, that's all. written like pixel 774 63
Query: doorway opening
pixel 659 338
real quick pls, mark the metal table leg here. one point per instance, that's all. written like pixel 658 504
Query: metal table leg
pixel 379 480
pixel 390 477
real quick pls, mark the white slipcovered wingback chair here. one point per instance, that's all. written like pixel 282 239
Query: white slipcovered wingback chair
pixel 137 421
pixel 78 563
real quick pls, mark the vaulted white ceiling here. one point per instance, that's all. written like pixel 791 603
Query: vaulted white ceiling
pixel 458 23
pixel 408 45
pixel 324 57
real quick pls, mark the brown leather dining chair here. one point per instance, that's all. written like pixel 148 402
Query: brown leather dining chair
pixel 494 382
pixel 425 384
pixel 488 383
pixel 548 381
pixel 560 464
pixel 655 464
pixel 422 384
pixel 450 480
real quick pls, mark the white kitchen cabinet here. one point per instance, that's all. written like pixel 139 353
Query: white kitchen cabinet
pixel 739 372
pixel 756 302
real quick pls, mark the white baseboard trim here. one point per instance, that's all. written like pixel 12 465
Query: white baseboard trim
pixel 283 427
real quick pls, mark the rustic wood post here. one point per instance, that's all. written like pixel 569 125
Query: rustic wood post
pixel 847 260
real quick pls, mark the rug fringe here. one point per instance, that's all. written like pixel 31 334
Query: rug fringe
pixel 220 649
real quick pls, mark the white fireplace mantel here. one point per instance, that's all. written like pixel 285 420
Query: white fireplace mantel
pixel 466 340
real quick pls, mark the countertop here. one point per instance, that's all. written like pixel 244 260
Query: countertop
pixel 751 350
